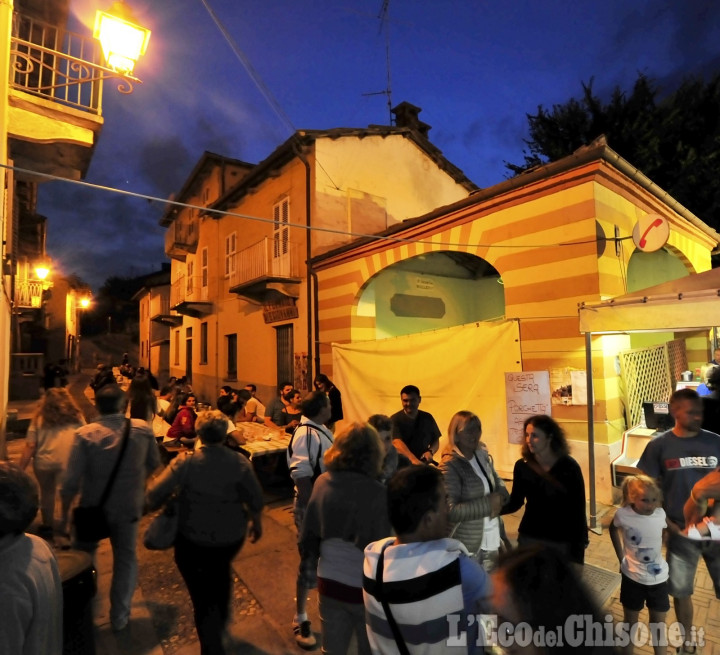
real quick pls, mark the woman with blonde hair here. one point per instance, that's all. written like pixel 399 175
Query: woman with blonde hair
pixel 476 493
pixel 48 443
pixel 347 510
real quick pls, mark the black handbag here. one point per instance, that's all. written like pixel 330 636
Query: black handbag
pixel 90 522
pixel 163 529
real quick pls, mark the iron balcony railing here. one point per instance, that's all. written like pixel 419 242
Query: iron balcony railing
pixel 181 237
pixel 59 65
pixel 188 289
pixel 28 293
pixel 26 363
pixel 269 258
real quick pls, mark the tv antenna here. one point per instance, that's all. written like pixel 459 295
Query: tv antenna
pixel 385 26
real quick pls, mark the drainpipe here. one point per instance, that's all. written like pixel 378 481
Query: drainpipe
pixel 311 305
pixel 316 318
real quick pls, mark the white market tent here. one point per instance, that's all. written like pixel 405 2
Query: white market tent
pixel 688 303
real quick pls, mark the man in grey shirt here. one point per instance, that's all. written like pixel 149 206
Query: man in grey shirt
pixel 94 452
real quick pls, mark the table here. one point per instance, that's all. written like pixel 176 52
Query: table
pixel 262 440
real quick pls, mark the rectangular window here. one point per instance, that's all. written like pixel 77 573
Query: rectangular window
pixel 189 279
pixel 188 353
pixel 176 348
pixel 231 351
pixel 281 229
pixel 230 251
pixel 203 343
pixel 204 267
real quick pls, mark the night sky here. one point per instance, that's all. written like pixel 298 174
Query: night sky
pixel 475 68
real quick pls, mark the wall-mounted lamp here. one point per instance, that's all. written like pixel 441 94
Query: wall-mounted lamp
pixel 123 40
pixel 42 271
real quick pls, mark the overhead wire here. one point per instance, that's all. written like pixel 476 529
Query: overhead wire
pixel 297 226
pixel 257 80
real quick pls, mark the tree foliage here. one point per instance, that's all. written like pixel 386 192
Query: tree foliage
pixel 673 139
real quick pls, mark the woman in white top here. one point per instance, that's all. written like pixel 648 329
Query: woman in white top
pixel 48 443
pixel 475 492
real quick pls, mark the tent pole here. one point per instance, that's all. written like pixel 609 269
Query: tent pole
pixel 591 429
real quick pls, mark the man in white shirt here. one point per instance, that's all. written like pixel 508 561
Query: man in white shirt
pixel 254 409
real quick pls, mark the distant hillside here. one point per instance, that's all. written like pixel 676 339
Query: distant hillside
pixel 107 349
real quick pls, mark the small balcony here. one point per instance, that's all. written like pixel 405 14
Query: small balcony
pixel 29 293
pixel 55 99
pixel 160 332
pixel 189 297
pixel 267 271
pixel 181 238
pixel 160 312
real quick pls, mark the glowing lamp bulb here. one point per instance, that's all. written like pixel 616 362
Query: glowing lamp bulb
pixel 42 272
pixel 122 40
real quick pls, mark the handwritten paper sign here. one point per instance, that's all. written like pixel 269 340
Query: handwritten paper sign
pixel 526 393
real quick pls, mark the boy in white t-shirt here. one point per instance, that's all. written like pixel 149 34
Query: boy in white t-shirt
pixel 641 522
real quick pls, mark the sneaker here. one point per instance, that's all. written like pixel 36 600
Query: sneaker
pixel 303 635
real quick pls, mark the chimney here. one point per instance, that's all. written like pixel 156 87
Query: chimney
pixel 406 115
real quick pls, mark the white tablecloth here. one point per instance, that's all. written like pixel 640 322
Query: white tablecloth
pixel 262 440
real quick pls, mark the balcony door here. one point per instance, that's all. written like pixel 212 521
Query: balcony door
pixel 281 239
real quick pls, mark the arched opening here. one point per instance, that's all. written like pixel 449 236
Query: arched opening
pixel 647 269
pixel 431 291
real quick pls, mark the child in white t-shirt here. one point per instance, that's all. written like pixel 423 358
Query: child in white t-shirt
pixel 641 522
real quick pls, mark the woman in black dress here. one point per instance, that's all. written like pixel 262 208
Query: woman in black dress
pixel 550 484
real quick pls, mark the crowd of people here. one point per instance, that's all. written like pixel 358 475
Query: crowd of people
pixel 396 535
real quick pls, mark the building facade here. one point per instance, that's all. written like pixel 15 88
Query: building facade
pixel 155 323
pixel 241 240
pixel 526 252
pixel 50 119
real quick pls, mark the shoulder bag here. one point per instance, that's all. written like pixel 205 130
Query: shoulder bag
pixel 163 529
pixel 394 627
pixel 90 522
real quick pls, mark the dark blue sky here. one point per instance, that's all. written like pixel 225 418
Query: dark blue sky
pixel 475 68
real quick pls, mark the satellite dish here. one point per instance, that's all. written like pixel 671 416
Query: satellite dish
pixel 651 233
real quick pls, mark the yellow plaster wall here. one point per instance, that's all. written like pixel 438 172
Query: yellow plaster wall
pixel 365 185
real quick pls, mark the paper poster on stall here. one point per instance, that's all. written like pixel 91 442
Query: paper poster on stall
pixel 526 393
pixel 578 381
pixel 569 386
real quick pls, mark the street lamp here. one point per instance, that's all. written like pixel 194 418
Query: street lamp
pixel 84 303
pixel 123 41
pixel 42 271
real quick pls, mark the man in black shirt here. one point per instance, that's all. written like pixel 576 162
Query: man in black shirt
pixel 415 433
